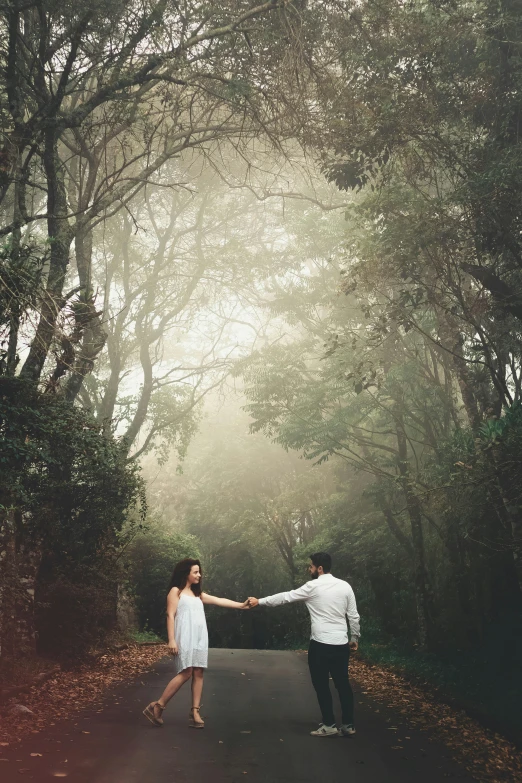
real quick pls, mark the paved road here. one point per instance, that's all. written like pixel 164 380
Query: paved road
pixel 259 707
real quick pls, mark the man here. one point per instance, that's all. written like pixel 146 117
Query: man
pixel 330 601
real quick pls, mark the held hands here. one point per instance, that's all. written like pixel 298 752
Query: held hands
pixel 250 603
pixel 173 648
pixel 354 646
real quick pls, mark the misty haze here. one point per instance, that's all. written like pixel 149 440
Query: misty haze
pixel 260 391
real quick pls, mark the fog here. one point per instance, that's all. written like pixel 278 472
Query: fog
pixel 259 296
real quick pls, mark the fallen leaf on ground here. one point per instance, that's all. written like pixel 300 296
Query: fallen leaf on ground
pixel 70 692
pixel 490 757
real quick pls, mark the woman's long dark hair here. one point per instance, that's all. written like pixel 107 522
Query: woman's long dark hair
pixel 181 573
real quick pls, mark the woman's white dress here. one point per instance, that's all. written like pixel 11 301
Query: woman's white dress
pixel 190 632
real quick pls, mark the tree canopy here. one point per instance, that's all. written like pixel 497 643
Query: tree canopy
pixel 307 211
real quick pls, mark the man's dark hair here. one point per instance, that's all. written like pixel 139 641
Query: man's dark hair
pixel 322 559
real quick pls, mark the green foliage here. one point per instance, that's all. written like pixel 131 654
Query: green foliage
pixel 69 489
pixel 150 559
pixel 20 277
pixel 428 129
pixel 396 368
pixel 53 457
pixel 144 636
pixel 21 267
pixel 395 385
pixel 463 677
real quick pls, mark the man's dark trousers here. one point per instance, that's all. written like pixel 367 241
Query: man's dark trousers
pixel 325 660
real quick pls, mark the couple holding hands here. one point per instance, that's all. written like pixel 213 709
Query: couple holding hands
pixel 330 602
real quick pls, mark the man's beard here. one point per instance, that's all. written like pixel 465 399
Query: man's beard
pixel 315 574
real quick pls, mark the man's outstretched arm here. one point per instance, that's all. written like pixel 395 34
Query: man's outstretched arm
pixel 301 594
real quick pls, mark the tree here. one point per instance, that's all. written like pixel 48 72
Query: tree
pixel 65 495
pixel 98 99
pixel 385 398
pixel 421 107
pixel 178 309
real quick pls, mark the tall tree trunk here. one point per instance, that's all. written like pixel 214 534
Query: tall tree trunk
pixel 396 531
pixel 468 627
pixel 28 556
pixel 12 354
pixel 89 329
pixel 60 237
pixel 510 514
pixel 504 532
pixel 108 402
pixel 283 537
pixel 452 341
pixel 421 580
pixel 16 310
pixel 19 557
pixel 140 415
pixel 7 582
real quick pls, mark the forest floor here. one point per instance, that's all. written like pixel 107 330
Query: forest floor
pixel 486 756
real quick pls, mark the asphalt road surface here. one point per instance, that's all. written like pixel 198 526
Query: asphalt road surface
pixel 259 708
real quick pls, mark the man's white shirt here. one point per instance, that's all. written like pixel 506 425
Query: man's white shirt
pixel 330 602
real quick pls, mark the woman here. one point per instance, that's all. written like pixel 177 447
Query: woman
pixel 188 638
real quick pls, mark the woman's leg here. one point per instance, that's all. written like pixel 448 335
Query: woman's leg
pixel 197 689
pixel 174 686
pixel 197 685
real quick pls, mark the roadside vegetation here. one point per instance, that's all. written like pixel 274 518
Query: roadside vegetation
pixel 260 274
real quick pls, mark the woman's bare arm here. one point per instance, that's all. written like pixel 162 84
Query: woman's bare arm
pixel 172 608
pixel 211 599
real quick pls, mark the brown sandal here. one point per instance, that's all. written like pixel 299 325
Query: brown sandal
pixel 150 714
pixel 192 722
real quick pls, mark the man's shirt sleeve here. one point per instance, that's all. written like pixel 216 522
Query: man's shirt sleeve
pixel 301 594
pixel 353 616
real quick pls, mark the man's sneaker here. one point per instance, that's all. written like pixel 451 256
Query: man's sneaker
pixel 347 729
pixel 325 731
